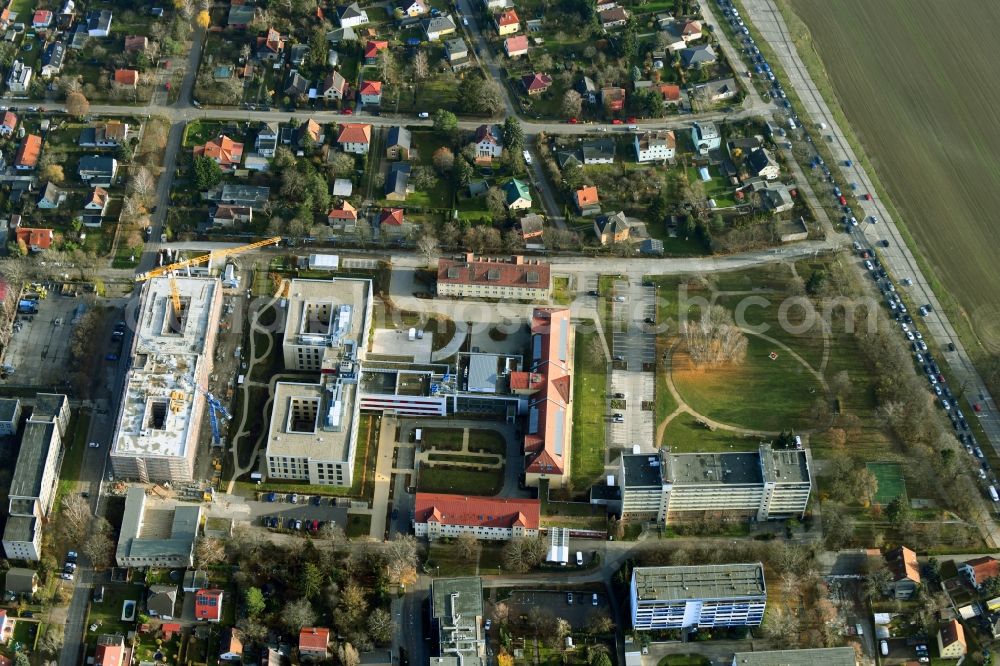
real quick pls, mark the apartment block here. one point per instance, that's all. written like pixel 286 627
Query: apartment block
pixel 701 596
pixel 483 277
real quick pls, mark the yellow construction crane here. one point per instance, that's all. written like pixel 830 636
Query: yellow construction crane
pixel 194 261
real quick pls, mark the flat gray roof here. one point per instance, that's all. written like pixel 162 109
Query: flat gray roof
pixel 784 466
pixel 469 602
pixel 27 481
pixel 719 581
pixel 47 406
pixel 183 528
pixel 321 444
pixel 836 656
pixel 714 468
pixel 8 406
pixel 642 470
pixel 19 579
pixel 19 528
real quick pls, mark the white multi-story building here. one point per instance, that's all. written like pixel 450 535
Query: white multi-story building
pixel 484 277
pixel 19 77
pixel 314 426
pixel 486 518
pixel 160 417
pixel 665 487
pixel 702 596
pixel 10 416
pixel 659 146
pixel 457 616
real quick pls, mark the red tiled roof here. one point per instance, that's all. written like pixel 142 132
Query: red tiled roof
pixel 476 511
pixel 208 604
pixel 953 632
pixel 98 197
pixel 392 217
pixel 312 129
pixel 41 17
pixel 126 77
pixel 354 133
pixel 169 629
pixel 670 92
pixel 515 44
pixel 314 638
pixel 135 43
pixel 374 47
pixel 586 196
pixel 691 28
pixel 903 563
pixel 536 82
pixel 28 151
pixel 222 149
pixel 508 17
pixel 552 402
pixel 371 88
pixel 345 212
pixel 984 568
pixel 613 15
pixel 10 120
pixel 485 133
pixel 273 40
pixel 109 652
pixel 496 272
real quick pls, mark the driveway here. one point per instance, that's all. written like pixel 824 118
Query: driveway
pixel 635 342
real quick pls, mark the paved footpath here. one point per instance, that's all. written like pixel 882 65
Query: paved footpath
pixel 897 258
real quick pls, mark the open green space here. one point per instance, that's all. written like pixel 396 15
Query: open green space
pixel 589 392
pixel 948 175
pixel 487 441
pixel 358 525
pixel 447 439
pixel 890 482
pixel 462 458
pixel 685 435
pixel 459 481
pixel 107 614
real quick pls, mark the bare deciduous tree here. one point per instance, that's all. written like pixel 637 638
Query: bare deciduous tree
pixel 380 626
pixel 74 518
pixel 420 68
pixel 401 559
pixel 142 184
pixel 297 614
pixel 209 551
pixel 714 339
pixel 348 655
pixel 468 546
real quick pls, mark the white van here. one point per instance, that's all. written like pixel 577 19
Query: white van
pixel 883 646
pixel 418 434
pixel 579 555
pixel 993 494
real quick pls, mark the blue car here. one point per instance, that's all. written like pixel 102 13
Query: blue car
pixel 112 357
pixel 270 497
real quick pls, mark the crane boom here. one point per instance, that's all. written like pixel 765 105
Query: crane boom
pixel 194 261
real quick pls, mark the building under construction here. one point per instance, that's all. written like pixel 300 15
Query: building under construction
pixel 156 433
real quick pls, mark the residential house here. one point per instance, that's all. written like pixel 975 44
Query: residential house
pixel 309 132
pixel 761 164
pixel 228 216
pixel 536 83
pixel 671 93
pixel 437 27
pixel 126 78
pixel 951 640
pixel 370 92
pixel 28 152
pixel 296 85
pixel 208 605
pixel 598 151
pixel 673 39
pixel 19 77
pixel 398 143
pixel 297 54
pixel 338 35
pixel 902 564
pixel 587 200
pixel 314 642
pixel 980 569
pixel 691 30
pixel 36 240
pixel 237 194
pixel 232 645
pixel 652 247
pixel 99 23
pixel 489 145
pixel 52 59
pixel 106 135
pixel 351 16
pixel 343 217
pixel 612 228
pixel 52 196
pixel 333 86
pixel 776 197
pixel 587 89
pixel 162 601
pixel 516 46
pixel 136 43
pixel 397 181
pixel 489 518
pixel 67 14
pixel 20 581
pixel 658 146
pixel 240 16
pixel 518 194
pixel 372 50
pixel 110 650
pixel 613 98
pixel 222 150
pixel 392 223
pixel 9 123
pixel 97 201
pixel 355 138
pixel 456 50
pixel 532 227
pixel 718 90
pixel 496 5
pixel 614 17
pixel 515 278
pixel 705 137
pixel 267 140
pixel 413 8
pixel 692 58
pixel 271 46
pixel 41 19
pixel 566 158
pixel 507 22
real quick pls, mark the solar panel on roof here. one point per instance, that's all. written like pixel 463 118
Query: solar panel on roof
pixel 533 420
pixel 563 339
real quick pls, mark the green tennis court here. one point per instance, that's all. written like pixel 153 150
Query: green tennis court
pixel 890 482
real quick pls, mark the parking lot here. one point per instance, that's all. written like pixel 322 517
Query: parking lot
pixel 252 511
pixel 39 350
pixel 576 613
pixel 634 343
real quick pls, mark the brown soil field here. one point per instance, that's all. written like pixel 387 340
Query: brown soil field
pixel 914 78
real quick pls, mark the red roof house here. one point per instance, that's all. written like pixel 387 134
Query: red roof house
pixel 392 217
pixel 226 152
pixel 9 123
pixel 28 152
pixel 613 98
pixel 373 48
pixel 507 21
pixel 42 18
pixel 110 650
pixel 346 212
pixel 978 570
pixel 136 43
pixel 314 642
pixel 586 196
pixel 516 46
pixel 208 605
pixel 671 93
pixel 546 444
pixel 36 239
pixel 438 514
pixel 127 78
pixel 169 629
pixel 536 83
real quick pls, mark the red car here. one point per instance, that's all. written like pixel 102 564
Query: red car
pixel 976 407
pixel 572 121
pixel 842 200
pixel 616 121
pixel 347 112
pixel 868 197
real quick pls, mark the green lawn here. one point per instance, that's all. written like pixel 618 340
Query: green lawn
pixel 560 291
pixel 685 435
pixel 589 392
pixel 107 615
pixel 358 525
pixel 447 439
pixel 69 474
pixel 445 560
pixel 717 188
pixel 199 131
pixel 890 482
pixel 487 441
pixel 459 481
pixel 462 458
